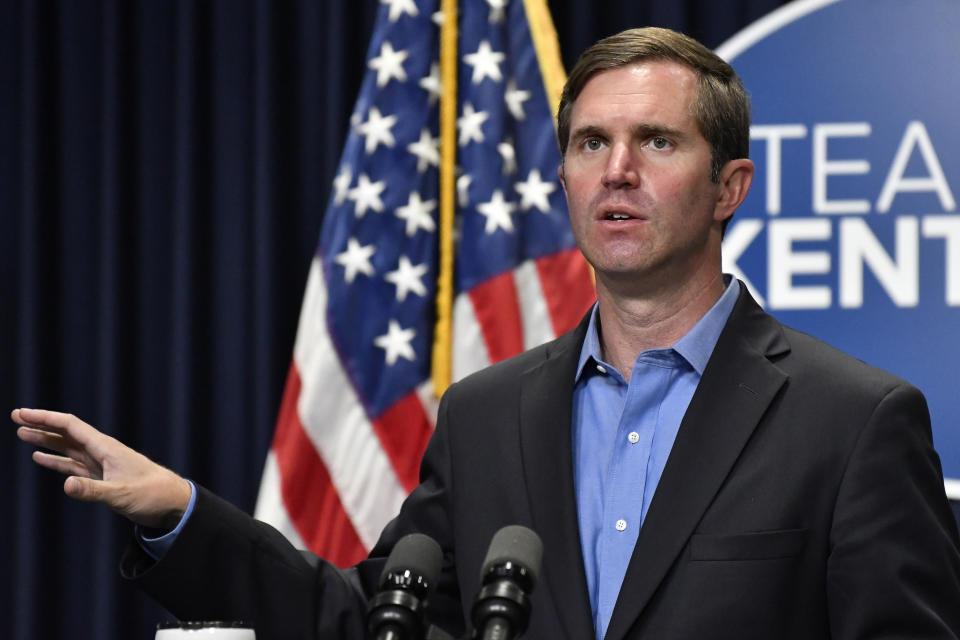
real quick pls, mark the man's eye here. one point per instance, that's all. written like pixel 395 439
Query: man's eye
pixel 592 144
pixel 659 142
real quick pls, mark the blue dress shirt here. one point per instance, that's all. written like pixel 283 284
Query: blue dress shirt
pixel 622 435
pixel 157 543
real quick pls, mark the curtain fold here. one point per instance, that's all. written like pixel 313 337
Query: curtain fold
pixel 164 166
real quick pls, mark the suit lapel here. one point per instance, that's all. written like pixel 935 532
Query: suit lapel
pixel 738 384
pixel 545 415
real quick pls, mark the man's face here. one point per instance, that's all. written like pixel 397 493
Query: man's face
pixel 637 176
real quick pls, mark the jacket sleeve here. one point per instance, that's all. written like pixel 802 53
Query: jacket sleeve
pixel 894 565
pixel 225 565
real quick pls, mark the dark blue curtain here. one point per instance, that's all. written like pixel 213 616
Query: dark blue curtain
pixel 164 167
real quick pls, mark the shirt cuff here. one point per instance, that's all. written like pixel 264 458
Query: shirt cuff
pixel 153 541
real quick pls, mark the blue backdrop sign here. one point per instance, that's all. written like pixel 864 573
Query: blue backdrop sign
pixel 851 231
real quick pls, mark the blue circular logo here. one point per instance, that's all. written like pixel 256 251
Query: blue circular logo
pixel 851 231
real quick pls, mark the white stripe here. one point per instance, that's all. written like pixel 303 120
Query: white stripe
pixel 534 314
pixel 766 25
pixel 270 507
pixel 469 348
pixel 952 487
pixel 431 405
pixel 337 424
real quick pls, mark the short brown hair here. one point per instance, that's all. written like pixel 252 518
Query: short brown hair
pixel 722 108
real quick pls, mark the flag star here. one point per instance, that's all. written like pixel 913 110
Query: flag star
pixel 366 195
pixel 341 185
pixel 396 343
pixel 497 13
pixel 407 278
pixel 417 214
pixel 400 7
pixel 535 192
pixel 509 156
pixel 515 98
pixel 427 150
pixel 376 130
pixel 437 18
pixel 497 212
pixel 431 83
pixel 485 62
pixel 356 259
pixel 389 64
pixel 470 125
pixel 463 189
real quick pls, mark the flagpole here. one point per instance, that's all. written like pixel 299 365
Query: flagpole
pixel 443 330
pixel 547 46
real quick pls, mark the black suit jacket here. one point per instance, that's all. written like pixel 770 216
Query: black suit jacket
pixel 802 499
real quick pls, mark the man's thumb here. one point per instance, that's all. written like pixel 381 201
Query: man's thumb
pixel 83 489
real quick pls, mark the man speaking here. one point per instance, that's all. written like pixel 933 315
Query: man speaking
pixel 694 468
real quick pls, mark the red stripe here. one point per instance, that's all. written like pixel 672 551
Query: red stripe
pixel 567 287
pixel 497 310
pixel 404 430
pixel 308 494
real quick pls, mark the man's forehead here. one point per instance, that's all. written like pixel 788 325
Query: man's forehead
pixel 661 84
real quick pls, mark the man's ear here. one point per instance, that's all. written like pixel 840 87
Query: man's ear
pixel 563 181
pixel 735 179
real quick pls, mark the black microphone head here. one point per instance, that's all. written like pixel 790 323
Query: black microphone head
pixel 518 545
pixel 414 563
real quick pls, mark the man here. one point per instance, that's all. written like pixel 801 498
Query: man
pixel 719 475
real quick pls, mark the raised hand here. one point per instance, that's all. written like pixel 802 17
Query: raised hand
pixel 103 469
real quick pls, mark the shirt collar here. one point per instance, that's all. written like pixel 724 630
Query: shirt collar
pixel 695 346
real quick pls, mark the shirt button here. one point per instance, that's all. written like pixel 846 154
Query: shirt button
pixel 621 525
pixel 601 368
pixel 633 437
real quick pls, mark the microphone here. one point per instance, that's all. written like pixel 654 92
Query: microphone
pixel 411 572
pixel 510 571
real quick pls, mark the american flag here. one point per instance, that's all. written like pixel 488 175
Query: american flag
pixel 359 404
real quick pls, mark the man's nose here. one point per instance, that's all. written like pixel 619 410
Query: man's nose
pixel 621 170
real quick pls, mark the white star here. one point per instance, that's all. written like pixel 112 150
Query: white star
pixel 535 192
pixel 366 195
pixel 356 259
pixel 497 13
pixel 437 18
pixel 417 214
pixel 376 130
pixel 463 189
pixel 407 279
pixel 389 64
pixel 509 156
pixel 470 125
pixel 396 343
pixel 427 150
pixel 485 62
pixel 515 98
pixel 497 212
pixel 341 185
pixel 431 83
pixel 400 7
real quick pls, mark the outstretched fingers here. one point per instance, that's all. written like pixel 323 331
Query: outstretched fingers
pixel 54 422
pixel 63 464
pixel 64 433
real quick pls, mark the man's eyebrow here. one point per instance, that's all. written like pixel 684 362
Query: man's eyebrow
pixel 587 131
pixel 650 130
pixel 643 131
